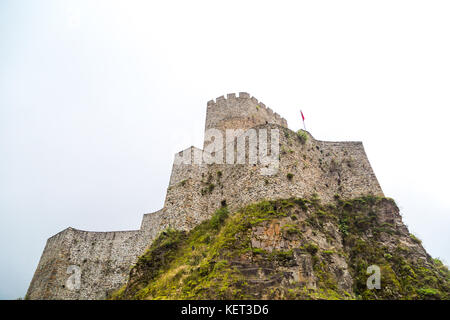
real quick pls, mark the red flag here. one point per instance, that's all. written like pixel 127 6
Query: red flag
pixel 303 117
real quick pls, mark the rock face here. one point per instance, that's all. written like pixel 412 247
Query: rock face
pixel 291 249
pixel 99 262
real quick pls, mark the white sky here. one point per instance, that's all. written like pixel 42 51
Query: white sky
pixel 97 96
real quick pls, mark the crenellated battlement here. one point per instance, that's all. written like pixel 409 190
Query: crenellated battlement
pixel 241 111
pixel 231 97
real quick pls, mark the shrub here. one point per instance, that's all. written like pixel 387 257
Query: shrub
pixel 343 226
pixel 429 293
pixel 289 176
pixel 219 217
pixel 311 248
pixel 415 239
pixel 302 135
pixel 290 229
pixel 208 189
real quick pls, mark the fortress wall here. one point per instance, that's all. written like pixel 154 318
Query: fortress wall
pixel 351 169
pixel 150 225
pixel 187 167
pixel 46 280
pixel 154 223
pixel 185 206
pixel 103 259
pixel 318 167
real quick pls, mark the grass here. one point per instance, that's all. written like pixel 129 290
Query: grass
pixel 200 264
pixel 302 136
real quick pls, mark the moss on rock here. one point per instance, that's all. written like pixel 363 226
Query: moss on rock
pixel 318 251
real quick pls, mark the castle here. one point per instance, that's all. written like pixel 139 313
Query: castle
pixel 80 264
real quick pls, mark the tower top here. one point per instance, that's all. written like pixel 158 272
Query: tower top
pixel 240 111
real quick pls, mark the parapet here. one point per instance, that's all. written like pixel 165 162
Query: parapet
pixel 240 111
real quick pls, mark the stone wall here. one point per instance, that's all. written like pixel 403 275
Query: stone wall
pixel 317 167
pixel 101 259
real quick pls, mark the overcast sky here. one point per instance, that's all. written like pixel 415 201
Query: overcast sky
pixel 97 96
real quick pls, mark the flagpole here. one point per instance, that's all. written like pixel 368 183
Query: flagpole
pixel 303 119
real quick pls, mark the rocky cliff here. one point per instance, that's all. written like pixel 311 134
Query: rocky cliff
pixel 291 249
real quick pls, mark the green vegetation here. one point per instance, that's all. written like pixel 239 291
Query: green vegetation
pixel 220 257
pixel 208 189
pixel 415 239
pixel 311 248
pixel 219 217
pixel 209 185
pixel 290 176
pixel 291 229
pixel 302 135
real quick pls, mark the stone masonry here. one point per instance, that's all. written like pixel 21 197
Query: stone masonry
pixel 102 260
